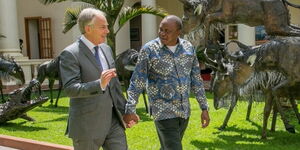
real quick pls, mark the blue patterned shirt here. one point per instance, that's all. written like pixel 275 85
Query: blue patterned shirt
pixel 168 78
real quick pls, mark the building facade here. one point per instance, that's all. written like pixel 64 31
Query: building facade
pixel 34 31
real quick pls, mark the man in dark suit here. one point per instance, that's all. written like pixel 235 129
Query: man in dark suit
pixel 89 79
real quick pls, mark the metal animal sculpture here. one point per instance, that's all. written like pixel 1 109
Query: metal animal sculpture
pixel 10 69
pixel 20 102
pixel 232 80
pixel 273 14
pixel 242 80
pixel 280 55
pixel 50 70
pixel 125 64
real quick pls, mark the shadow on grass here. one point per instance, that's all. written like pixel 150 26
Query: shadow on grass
pixel 234 129
pixel 62 118
pixel 20 127
pixel 239 138
pixel 239 130
pixel 201 145
pixel 52 109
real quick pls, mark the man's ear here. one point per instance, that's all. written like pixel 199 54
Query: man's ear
pixel 87 29
pixel 180 33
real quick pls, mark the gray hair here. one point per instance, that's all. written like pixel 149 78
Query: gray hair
pixel 86 16
pixel 176 19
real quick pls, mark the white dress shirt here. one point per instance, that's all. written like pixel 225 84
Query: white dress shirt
pixel 91 46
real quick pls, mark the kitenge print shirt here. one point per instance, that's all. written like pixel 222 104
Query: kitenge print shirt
pixel 169 78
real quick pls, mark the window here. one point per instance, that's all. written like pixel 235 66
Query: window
pixel 232 32
pixel 38 37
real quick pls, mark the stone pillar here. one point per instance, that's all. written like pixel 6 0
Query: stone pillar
pixel 9 28
pixel 149 25
pixel 246 34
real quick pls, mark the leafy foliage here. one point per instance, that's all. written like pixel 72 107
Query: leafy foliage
pixel 71 16
pixel 129 13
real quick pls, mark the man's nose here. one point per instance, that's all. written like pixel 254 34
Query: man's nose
pixel 162 33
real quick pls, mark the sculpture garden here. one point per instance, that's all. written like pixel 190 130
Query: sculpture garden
pixel 50 126
pixel 47 122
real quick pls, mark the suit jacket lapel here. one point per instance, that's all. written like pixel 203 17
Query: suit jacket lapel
pixel 87 52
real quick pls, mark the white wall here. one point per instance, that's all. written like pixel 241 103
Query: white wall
pixel 295 13
pixel 246 34
pixel 123 36
pixel 33 8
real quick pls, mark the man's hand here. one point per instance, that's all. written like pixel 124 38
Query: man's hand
pixel 106 76
pixel 205 118
pixel 131 119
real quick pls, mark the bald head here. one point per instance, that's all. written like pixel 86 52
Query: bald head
pixel 169 30
pixel 175 19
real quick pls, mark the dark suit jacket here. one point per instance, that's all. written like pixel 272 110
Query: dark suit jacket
pixel 90 111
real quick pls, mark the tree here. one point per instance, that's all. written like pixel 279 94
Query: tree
pixel 114 12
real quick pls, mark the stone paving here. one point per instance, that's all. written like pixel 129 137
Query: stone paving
pixel 7 148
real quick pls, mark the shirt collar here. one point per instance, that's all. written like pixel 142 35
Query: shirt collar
pixel 161 45
pixel 88 43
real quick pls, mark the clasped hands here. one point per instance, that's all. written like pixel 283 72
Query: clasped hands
pixel 131 119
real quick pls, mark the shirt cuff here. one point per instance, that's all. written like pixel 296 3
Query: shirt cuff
pixel 130 109
pixel 203 106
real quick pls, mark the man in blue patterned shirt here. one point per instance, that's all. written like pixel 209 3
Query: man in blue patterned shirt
pixel 169 69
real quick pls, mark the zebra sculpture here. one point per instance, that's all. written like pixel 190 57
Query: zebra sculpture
pixel 278 55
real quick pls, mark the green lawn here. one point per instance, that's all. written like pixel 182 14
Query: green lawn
pixel 50 126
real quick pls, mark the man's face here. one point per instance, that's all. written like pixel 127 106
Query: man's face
pixel 97 31
pixel 168 32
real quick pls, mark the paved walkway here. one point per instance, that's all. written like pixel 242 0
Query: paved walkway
pixel 7 148
pixel 28 144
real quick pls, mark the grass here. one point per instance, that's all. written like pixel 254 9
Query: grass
pixel 50 126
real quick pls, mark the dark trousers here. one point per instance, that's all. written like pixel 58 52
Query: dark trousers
pixel 170 132
pixel 115 140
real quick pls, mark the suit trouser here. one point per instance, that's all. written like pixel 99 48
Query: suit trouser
pixel 170 132
pixel 115 140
